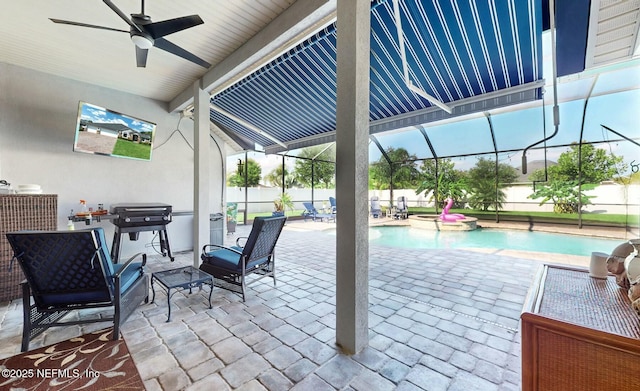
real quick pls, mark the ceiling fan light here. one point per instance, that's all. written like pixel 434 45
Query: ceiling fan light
pixel 142 42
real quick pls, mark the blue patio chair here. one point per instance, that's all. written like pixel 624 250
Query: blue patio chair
pixel 310 211
pixel 402 209
pixel 334 207
pixel 72 270
pixel 376 210
pixel 234 264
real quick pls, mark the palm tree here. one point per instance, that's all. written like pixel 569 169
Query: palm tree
pixel 275 178
pixel 484 195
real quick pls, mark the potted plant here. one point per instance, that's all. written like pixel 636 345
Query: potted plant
pixel 232 216
pixel 281 203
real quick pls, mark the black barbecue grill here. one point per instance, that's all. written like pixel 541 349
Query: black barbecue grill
pixel 134 218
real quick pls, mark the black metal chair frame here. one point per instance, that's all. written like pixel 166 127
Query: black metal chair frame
pixel 72 263
pixel 259 245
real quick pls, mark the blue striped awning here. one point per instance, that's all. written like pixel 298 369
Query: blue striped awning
pixel 471 55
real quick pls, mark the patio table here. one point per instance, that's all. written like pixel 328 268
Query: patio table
pixel 184 277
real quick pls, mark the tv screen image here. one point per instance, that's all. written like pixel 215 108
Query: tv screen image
pixel 106 132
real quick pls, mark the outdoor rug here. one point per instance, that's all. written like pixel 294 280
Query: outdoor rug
pixel 90 362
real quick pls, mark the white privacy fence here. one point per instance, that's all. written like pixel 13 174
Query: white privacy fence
pixel 608 198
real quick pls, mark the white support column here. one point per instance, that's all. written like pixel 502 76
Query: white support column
pixel 352 161
pixel 201 171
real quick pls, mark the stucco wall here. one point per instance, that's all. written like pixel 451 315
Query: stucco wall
pixel 37 126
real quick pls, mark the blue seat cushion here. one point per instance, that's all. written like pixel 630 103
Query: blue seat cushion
pixel 93 295
pixel 90 297
pixel 129 276
pixel 228 260
pixel 105 256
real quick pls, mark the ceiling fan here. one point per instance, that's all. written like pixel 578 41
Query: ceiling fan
pixel 146 34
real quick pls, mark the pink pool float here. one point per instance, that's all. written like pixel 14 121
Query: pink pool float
pixel 445 216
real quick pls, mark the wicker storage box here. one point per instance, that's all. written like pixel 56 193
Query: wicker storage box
pixel 579 333
pixel 18 212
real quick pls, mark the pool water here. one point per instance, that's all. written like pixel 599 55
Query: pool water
pixel 407 237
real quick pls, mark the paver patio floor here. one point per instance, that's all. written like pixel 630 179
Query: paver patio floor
pixel 438 320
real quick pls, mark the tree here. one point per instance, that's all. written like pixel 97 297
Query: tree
pixel 562 179
pixel 254 173
pixel 484 195
pixel 482 184
pixel 486 169
pixel 597 165
pixel 323 167
pixel 275 177
pixel 405 173
pixel 634 177
pixel 449 181
pixel 538 175
pixel 564 194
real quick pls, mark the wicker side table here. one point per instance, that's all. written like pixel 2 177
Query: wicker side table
pixel 18 212
pixel 578 333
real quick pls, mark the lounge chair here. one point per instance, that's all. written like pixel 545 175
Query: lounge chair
pixel 234 264
pixel 402 210
pixel 72 270
pixel 310 211
pixel 376 210
pixel 334 207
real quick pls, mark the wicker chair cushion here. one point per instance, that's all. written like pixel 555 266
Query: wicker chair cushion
pixel 229 260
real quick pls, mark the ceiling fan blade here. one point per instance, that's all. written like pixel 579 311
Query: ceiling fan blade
pixel 166 27
pixel 167 46
pixel 141 57
pixel 85 25
pixel 122 15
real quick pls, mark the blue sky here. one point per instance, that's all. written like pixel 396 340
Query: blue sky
pixel 614 102
pixel 515 130
pixel 95 113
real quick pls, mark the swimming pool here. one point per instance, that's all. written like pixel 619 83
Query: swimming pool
pixel 407 237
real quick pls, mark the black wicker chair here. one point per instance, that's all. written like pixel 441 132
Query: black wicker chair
pixel 72 270
pixel 234 264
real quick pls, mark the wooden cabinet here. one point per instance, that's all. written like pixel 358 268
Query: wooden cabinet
pixel 578 333
pixel 18 212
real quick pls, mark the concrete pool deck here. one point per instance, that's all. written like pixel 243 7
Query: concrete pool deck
pixel 438 320
pixel 621 234
pixel 574 260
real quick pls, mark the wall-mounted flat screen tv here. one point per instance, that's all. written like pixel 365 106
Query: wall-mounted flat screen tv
pixel 106 132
